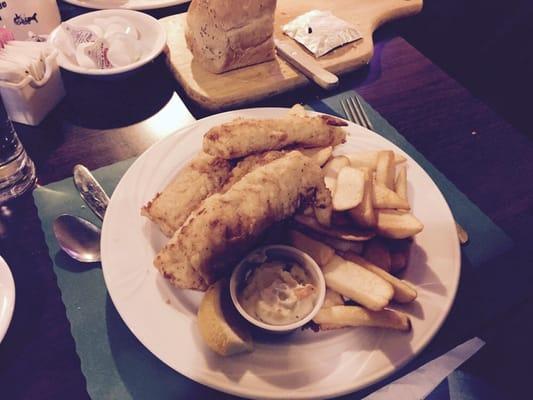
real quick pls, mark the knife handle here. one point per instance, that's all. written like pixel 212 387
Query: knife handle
pixel 90 191
pixel 307 65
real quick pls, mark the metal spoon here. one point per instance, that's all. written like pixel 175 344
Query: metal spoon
pixel 78 237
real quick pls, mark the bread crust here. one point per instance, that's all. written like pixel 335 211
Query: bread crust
pixel 228 34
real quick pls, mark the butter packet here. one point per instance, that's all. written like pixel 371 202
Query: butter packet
pixel 321 31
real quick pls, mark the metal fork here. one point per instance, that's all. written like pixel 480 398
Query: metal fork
pixel 354 111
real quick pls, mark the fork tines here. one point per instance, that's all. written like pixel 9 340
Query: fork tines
pixel 355 112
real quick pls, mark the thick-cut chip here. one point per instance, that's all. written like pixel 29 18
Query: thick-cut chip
pixel 385 169
pixel 399 260
pixel 332 298
pixel 364 214
pixel 397 225
pixel 400 186
pixel 320 155
pixel 399 254
pixel 318 251
pixel 242 137
pixel 217 234
pixel 335 232
pixel 337 244
pixel 403 292
pixel 354 316
pixel 203 176
pixel 343 245
pixel 377 253
pixel 349 190
pixel 369 159
pixel 357 283
pixel 388 199
pixel 334 165
pixel 330 327
pixel 331 171
pixel 297 110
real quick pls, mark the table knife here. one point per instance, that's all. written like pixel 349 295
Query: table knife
pixel 90 190
pixel 306 64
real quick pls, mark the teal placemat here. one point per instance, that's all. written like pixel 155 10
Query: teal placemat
pixel 117 366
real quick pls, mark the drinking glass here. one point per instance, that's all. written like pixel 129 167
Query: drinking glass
pixel 17 171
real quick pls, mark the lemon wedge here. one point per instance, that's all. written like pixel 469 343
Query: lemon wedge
pixel 221 327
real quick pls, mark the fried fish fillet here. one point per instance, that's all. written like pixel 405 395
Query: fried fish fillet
pixel 227 225
pixel 242 137
pixel 248 164
pixel 203 176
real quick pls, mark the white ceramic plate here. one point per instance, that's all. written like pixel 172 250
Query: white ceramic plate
pixel 305 364
pixel 127 4
pixel 152 40
pixel 7 297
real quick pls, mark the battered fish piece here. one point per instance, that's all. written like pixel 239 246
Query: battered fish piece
pixel 248 164
pixel 242 137
pixel 203 176
pixel 220 232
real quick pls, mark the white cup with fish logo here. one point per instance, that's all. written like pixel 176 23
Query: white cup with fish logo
pixel 24 16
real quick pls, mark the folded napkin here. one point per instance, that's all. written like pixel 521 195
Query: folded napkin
pixel 116 365
pixel 422 381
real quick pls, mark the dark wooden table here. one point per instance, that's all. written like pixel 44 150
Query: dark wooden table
pixel 103 122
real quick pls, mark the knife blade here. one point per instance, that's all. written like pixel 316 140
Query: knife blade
pixel 306 64
pixel 90 190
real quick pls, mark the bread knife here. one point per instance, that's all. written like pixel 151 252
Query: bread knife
pixel 90 190
pixel 306 64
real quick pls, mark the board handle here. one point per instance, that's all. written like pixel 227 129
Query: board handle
pixel 388 10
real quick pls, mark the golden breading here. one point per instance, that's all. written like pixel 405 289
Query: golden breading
pixel 242 137
pixel 203 176
pixel 248 164
pixel 227 225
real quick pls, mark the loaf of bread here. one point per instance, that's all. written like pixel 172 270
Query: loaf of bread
pixel 229 34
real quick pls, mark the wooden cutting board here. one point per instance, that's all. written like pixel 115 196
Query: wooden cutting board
pixel 249 84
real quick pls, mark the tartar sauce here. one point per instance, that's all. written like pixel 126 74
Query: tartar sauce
pixel 278 293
